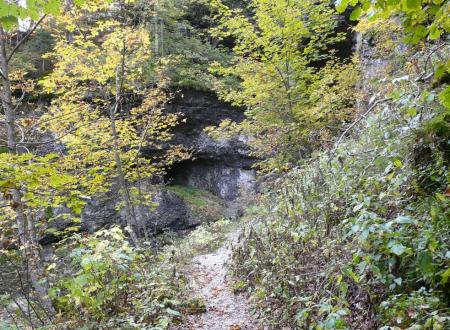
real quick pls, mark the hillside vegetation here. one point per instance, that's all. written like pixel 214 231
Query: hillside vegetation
pixel 340 147
pixel 358 236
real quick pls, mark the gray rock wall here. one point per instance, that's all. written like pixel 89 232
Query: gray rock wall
pixel 220 167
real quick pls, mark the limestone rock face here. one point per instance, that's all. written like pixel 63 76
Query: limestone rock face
pixel 222 167
pixel 219 168
pixel 222 180
pixel 169 211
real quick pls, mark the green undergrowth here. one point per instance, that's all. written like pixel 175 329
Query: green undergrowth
pixel 118 286
pixel 204 239
pixel 358 237
pixel 203 204
pixel 191 195
pixel 100 281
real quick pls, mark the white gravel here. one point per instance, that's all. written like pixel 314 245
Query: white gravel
pixel 209 281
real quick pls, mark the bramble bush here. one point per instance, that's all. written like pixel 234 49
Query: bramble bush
pixel 358 236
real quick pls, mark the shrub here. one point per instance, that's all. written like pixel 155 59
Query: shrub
pixel 112 284
pixel 349 239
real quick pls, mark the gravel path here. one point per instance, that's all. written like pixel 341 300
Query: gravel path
pixel 224 309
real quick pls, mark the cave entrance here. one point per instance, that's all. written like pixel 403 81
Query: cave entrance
pixel 179 173
pixel 216 177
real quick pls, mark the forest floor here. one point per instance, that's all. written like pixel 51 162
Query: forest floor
pixel 209 281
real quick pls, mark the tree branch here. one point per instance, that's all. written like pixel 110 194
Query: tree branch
pixel 374 105
pixel 56 138
pixel 25 38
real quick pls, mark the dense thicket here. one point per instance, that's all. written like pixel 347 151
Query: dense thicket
pixel 351 228
pixel 357 236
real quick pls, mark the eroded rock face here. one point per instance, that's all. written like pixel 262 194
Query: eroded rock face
pixel 171 212
pixel 168 212
pixel 219 178
pixel 222 167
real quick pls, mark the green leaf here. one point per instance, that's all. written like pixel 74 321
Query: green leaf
pixel 440 72
pixel 412 112
pixel 8 22
pixel 347 271
pixel 413 3
pixel 173 312
pixel 445 276
pixel 402 219
pixel 341 5
pixel 343 288
pixel 356 13
pixel 398 163
pixel 444 97
pixel 398 249
pixel 82 280
pixel 72 229
pixel 52 7
pixel 8 9
pixel 426 263
pixel 398 281
pixel 435 32
pixel 380 161
pixel 417 33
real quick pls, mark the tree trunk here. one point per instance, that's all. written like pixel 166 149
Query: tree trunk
pixel 131 221
pixel 69 34
pixel 31 250
pixel 129 214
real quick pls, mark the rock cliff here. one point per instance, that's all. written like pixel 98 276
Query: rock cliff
pixel 194 190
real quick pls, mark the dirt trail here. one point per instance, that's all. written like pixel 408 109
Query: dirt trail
pixel 209 280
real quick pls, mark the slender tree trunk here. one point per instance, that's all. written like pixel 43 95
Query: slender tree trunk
pixel 67 7
pixel 162 36
pixel 31 249
pixel 288 86
pixel 121 176
pixel 156 10
pixel 129 214
pixel 6 94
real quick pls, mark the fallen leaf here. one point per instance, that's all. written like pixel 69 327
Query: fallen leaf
pixel 447 192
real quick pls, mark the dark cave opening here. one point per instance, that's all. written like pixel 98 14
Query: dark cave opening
pixel 178 174
pixel 215 176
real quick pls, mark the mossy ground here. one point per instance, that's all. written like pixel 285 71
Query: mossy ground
pixel 203 204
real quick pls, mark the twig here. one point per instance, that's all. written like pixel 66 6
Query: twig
pixel 25 38
pixel 424 76
pixel 374 105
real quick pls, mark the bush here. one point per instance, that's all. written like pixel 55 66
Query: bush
pixel 349 239
pixel 111 284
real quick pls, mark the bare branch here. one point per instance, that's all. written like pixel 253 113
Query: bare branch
pixel 55 139
pixel 25 38
pixel 424 76
pixel 374 105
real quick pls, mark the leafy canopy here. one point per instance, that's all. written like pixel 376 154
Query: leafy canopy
pixel 12 13
pixel 421 18
pixel 102 68
pixel 282 61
